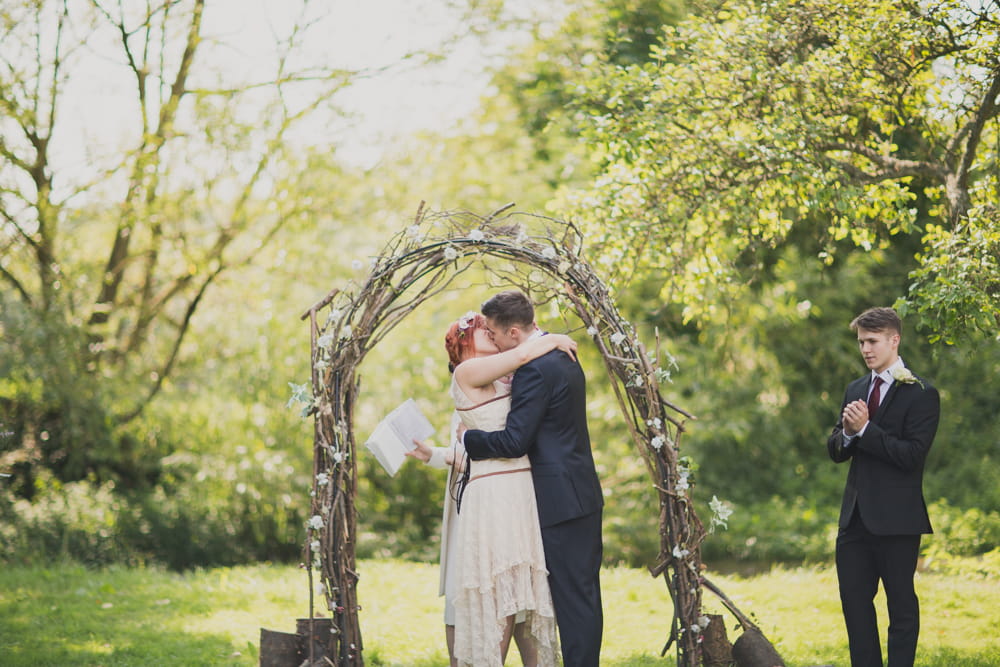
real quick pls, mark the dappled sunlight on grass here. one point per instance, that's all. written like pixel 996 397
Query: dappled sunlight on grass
pixel 118 617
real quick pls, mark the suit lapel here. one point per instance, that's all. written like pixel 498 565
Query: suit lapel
pixel 891 394
pixel 858 390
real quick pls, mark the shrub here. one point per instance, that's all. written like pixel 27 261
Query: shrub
pixel 218 518
pixel 778 530
pixel 76 521
pixel 961 532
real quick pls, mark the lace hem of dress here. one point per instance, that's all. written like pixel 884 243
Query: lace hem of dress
pixel 482 615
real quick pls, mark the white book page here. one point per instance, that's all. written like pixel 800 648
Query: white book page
pixel 394 435
pixel 387 448
pixel 409 423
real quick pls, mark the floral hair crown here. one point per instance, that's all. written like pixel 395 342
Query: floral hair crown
pixel 465 322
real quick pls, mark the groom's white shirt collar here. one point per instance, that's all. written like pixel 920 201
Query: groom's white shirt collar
pixel 886 375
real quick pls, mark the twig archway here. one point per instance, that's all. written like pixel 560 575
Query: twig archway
pixel 418 263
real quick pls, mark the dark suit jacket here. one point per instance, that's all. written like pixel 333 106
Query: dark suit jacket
pixel 548 422
pixel 887 463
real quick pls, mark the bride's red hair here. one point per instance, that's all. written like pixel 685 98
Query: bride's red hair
pixel 460 339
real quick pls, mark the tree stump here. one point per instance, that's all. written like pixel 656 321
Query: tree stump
pixel 752 649
pixel 279 649
pixel 715 647
pixel 320 637
pixel 286 649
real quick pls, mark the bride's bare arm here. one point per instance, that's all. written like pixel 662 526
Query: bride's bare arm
pixel 482 371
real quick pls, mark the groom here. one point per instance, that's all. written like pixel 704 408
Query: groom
pixel 548 422
pixel 887 424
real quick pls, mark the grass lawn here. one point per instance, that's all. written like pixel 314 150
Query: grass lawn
pixel 67 615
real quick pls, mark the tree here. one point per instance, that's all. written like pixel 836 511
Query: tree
pixel 852 122
pixel 109 246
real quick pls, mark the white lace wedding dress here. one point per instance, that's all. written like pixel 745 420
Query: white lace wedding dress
pixel 501 564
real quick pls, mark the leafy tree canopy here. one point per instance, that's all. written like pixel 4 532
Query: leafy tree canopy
pixel 851 121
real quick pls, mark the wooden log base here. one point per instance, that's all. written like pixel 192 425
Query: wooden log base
pixel 752 649
pixel 715 647
pixel 279 649
pixel 286 649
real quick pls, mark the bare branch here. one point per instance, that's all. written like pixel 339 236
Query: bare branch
pixel 144 177
pixel 12 280
pixel 9 154
pixel 168 364
pixel 21 233
pixel 177 89
pixel 343 76
pixel 988 108
pixel 889 167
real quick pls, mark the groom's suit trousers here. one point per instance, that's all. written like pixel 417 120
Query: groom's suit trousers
pixel 573 556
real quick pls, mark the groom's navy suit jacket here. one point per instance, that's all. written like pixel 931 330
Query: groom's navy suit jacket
pixel 885 480
pixel 548 422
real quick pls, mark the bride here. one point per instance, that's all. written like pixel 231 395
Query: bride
pixel 493 565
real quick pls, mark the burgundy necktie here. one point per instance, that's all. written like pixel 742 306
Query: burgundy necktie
pixel 874 398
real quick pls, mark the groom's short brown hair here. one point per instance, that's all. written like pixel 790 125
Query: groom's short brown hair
pixel 878 319
pixel 510 308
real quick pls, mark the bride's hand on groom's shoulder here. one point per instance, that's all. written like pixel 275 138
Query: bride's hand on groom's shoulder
pixel 566 344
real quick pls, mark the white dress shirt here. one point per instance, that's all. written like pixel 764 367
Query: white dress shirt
pixel 887 380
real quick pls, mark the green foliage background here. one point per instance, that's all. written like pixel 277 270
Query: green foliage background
pixel 217 469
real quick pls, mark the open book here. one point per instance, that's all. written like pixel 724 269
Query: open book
pixel 394 435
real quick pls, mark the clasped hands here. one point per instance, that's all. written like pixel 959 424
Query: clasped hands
pixel 854 417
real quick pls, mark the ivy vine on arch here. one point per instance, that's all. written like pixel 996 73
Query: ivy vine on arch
pixel 546 257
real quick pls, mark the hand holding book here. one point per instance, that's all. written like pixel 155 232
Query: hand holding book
pixel 394 436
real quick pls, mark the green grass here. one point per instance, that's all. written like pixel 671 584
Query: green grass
pixel 67 615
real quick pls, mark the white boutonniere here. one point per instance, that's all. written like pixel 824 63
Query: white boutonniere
pixel 902 374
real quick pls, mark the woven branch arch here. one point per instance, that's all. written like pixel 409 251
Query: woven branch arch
pixel 415 265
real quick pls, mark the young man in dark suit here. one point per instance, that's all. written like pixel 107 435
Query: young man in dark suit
pixel 887 425
pixel 548 422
